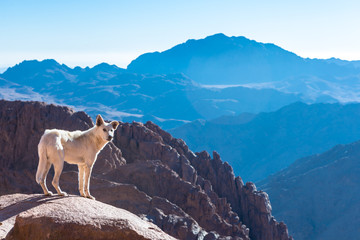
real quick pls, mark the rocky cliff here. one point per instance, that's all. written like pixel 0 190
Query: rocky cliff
pixel 188 195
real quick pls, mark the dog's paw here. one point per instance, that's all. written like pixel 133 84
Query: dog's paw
pixel 49 193
pixel 64 194
pixel 91 197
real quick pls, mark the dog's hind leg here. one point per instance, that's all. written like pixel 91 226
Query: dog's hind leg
pixel 43 180
pixel 81 180
pixel 58 163
pixel 88 170
pixel 43 169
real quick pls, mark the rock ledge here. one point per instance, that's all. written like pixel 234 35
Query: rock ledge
pixel 36 217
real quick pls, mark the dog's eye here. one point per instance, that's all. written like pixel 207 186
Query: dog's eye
pixel 104 129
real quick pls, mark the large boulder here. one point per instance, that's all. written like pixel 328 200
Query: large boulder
pixel 37 217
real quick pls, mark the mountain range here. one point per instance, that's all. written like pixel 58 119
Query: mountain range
pixel 198 79
pixel 223 60
pixel 168 100
pixel 219 59
pixel 257 146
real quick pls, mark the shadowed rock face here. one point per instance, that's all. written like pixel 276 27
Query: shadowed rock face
pixel 187 195
pixel 233 200
pixel 23 123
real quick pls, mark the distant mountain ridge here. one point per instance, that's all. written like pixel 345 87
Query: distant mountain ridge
pixel 260 145
pixel 223 60
pixel 266 77
pixel 200 59
pixel 319 196
pixel 169 100
pixel 240 60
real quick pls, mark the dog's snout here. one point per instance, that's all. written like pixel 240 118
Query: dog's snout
pixel 109 138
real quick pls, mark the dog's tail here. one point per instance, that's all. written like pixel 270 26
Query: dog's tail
pixel 42 162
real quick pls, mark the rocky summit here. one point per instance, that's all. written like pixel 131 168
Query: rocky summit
pixel 144 171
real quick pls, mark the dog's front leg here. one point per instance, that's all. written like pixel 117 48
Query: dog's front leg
pixel 81 180
pixel 88 170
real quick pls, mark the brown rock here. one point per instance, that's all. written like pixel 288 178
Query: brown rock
pixel 156 179
pixel 166 215
pixel 214 176
pixel 73 217
pixel 23 123
pixel 108 159
pixel 252 206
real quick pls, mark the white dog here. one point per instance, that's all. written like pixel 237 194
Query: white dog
pixel 78 147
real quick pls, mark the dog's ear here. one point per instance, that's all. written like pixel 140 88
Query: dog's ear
pixel 114 124
pixel 99 120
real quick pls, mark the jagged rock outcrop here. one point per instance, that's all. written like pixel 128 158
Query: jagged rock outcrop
pixel 253 206
pixel 216 178
pixel 156 179
pixel 73 217
pixel 23 123
pixel 187 195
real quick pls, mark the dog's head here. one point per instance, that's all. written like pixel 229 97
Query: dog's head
pixel 106 130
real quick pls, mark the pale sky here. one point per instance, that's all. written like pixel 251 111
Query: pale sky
pixel 86 33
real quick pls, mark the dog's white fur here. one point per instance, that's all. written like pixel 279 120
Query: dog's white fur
pixel 78 147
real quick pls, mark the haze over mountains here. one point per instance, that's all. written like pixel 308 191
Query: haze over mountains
pixel 222 60
pixel 259 145
pixel 168 100
pixel 319 196
pixel 233 60
pixel 264 77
